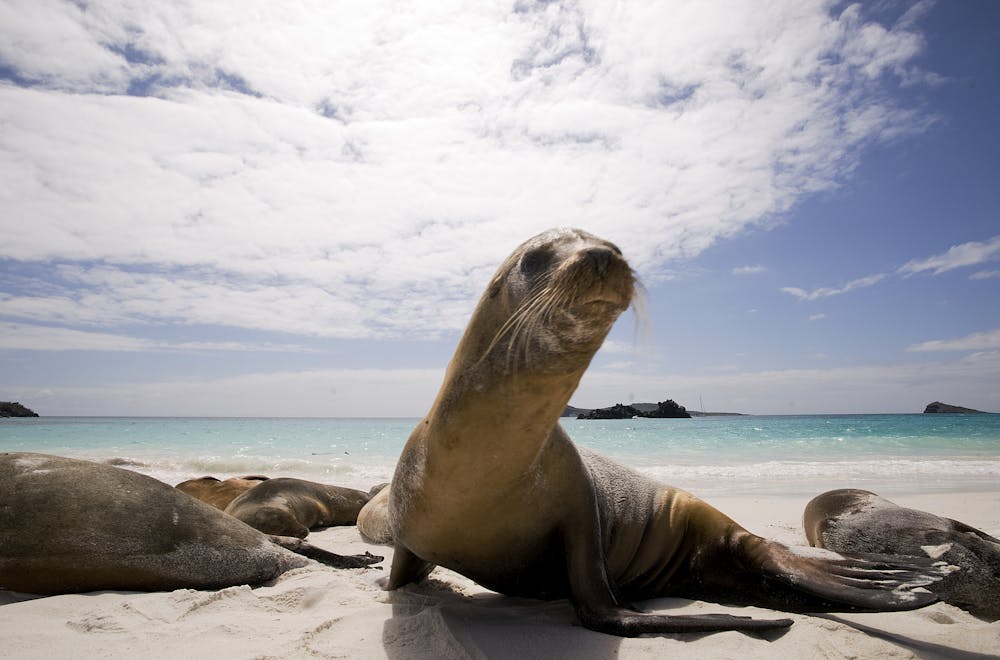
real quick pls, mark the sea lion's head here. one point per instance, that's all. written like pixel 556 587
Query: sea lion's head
pixel 550 305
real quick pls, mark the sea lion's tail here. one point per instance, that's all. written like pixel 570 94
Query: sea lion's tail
pixel 298 546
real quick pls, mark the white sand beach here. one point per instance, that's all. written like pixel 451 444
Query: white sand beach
pixel 318 612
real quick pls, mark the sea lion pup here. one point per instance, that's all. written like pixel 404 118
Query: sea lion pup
pixel 489 485
pixel 219 493
pixel 69 526
pixel 291 507
pixel 851 520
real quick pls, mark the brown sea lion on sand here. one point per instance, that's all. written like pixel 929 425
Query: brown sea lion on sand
pixel 291 507
pixel 70 526
pixel 489 485
pixel 852 520
pixel 219 493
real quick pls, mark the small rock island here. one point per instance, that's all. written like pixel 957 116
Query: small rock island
pixel 15 409
pixel 938 407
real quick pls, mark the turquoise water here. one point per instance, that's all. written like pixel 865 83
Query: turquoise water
pixel 710 455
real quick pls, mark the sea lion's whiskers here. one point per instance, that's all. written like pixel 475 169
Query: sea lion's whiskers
pixel 640 310
pixel 529 319
pixel 515 320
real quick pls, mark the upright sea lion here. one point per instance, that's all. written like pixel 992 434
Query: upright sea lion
pixel 69 526
pixel 291 507
pixel 489 484
pixel 219 493
pixel 851 520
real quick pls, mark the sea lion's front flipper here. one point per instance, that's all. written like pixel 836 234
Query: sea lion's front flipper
pixel 406 568
pixel 309 550
pixel 820 580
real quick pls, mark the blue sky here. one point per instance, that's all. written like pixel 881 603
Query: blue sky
pixel 231 209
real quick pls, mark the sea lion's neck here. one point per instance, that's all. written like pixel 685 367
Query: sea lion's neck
pixel 485 405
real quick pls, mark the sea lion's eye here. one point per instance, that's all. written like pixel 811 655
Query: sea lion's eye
pixel 535 261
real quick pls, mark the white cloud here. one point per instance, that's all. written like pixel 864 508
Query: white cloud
pixel 958 256
pixel 748 270
pixel 977 341
pixel 817 317
pixel 16 336
pixel 614 346
pixel 825 292
pixel 985 275
pixel 326 169
pixel 966 254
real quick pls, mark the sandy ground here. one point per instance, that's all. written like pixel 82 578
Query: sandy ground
pixel 318 612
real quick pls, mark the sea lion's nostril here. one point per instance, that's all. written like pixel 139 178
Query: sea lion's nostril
pixel 600 259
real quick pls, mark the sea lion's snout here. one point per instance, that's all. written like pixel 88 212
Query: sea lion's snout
pixel 600 259
pixel 600 274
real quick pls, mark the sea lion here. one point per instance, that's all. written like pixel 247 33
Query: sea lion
pixel 373 519
pixel 851 520
pixel 69 526
pixel 219 493
pixel 489 484
pixel 291 507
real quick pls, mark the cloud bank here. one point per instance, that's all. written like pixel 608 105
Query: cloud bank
pixel 361 392
pixel 977 341
pixel 357 170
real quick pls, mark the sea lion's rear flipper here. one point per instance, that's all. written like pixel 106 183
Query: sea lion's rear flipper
pixel 623 623
pixel 822 581
pixel 305 549
pixel 969 529
pixel 598 608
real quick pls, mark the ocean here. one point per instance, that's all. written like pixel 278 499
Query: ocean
pixel 710 456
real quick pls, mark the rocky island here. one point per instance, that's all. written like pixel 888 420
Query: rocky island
pixel 15 409
pixel 663 409
pixel 668 409
pixel 938 407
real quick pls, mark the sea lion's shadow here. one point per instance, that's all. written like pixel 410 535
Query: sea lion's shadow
pixel 435 619
pixel 920 648
pixel 11 597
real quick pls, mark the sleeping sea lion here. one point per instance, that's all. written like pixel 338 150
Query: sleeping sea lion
pixel 373 519
pixel 219 493
pixel 851 520
pixel 489 485
pixel 69 526
pixel 291 507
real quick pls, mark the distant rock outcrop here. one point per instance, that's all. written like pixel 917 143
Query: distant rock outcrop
pixel 938 407
pixel 574 412
pixel 15 409
pixel 668 409
pixel 617 411
pixel 663 409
